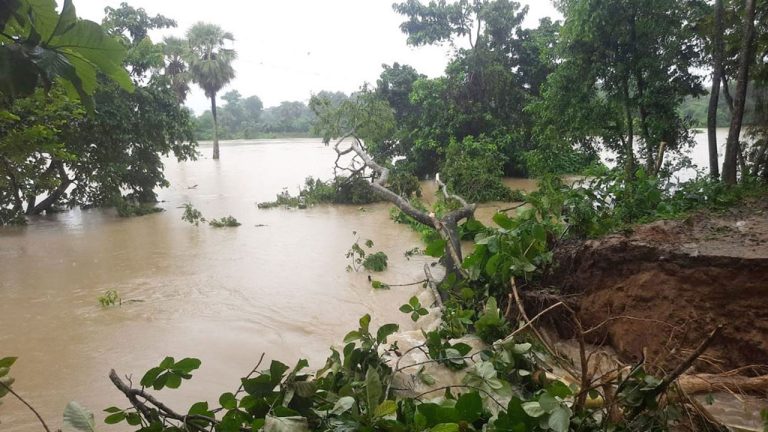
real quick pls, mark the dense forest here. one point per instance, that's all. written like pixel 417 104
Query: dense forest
pixel 88 111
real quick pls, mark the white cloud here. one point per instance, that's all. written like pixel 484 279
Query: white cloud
pixel 288 49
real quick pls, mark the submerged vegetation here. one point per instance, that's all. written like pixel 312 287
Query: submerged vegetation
pixel 194 217
pixel 340 190
pixel 226 221
pixel 358 257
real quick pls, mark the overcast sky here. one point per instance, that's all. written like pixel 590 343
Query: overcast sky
pixel 288 49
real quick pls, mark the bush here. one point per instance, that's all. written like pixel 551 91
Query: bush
pixel 128 208
pixel 226 221
pixel 474 168
pixel 340 190
pixel 402 182
pixel 375 262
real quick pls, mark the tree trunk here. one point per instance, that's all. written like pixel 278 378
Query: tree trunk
pixel 714 96
pixel 57 193
pixel 215 127
pixel 629 162
pixel 745 54
pixel 650 147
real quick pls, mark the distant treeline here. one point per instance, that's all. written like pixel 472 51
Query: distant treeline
pixel 695 108
pixel 246 118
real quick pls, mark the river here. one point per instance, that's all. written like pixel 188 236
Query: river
pixel 275 285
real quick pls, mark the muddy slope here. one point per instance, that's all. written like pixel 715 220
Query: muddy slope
pixel 661 289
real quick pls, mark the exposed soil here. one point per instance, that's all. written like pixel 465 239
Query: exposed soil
pixel 660 290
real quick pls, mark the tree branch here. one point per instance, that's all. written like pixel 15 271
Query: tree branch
pixel 445 226
pixel 10 390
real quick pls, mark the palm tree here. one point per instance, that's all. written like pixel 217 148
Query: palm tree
pixel 176 50
pixel 210 65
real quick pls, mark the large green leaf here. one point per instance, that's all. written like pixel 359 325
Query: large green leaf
pixel 286 424
pixel 373 389
pixel 87 41
pixel 64 21
pixel 436 248
pixel 44 45
pixel 78 418
pixel 560 419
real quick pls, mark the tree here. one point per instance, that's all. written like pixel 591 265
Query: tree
pixel 55 153
pixel 176 50
pixel 485 88
pixel 364 126
pixel 210 65
pixel 732 148
pixel 631 63
pixel 714 96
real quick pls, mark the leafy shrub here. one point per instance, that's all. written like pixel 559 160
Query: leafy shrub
pixel 226 221
pixel 359 257
pixel 474 168
pixel 192 215
pixel 375 262
pixel 340 190
pixel 128 208
pixel 110 298
pixel 559 158
pixel 403 182
pixel 490 325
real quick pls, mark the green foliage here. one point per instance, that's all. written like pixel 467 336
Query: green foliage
pixel 226 221
pixel 359 257
pixel 340 190
pixel 210 63
pixel 170 373
pixel 126 208
pixel 56 153
pixel 403 182
pixel 560 157
pixel 490 325
pixel 519 247
pixel 414 308
pixel 38 46
pixel 364 116
pixel 352 392
pixel 192 215
pixel 375 262
pixel 6 380
pixel 625 68
pixel 110 298
pixel 473 170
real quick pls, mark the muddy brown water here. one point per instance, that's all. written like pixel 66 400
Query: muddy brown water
pixel 221 295
pixel 275 285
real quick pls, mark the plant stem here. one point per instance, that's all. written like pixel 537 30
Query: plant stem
pixel 10 390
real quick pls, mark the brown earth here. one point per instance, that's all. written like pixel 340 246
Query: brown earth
pixel 663 288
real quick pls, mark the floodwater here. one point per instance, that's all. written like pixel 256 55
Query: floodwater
pixel 222 295
pixel 275 285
